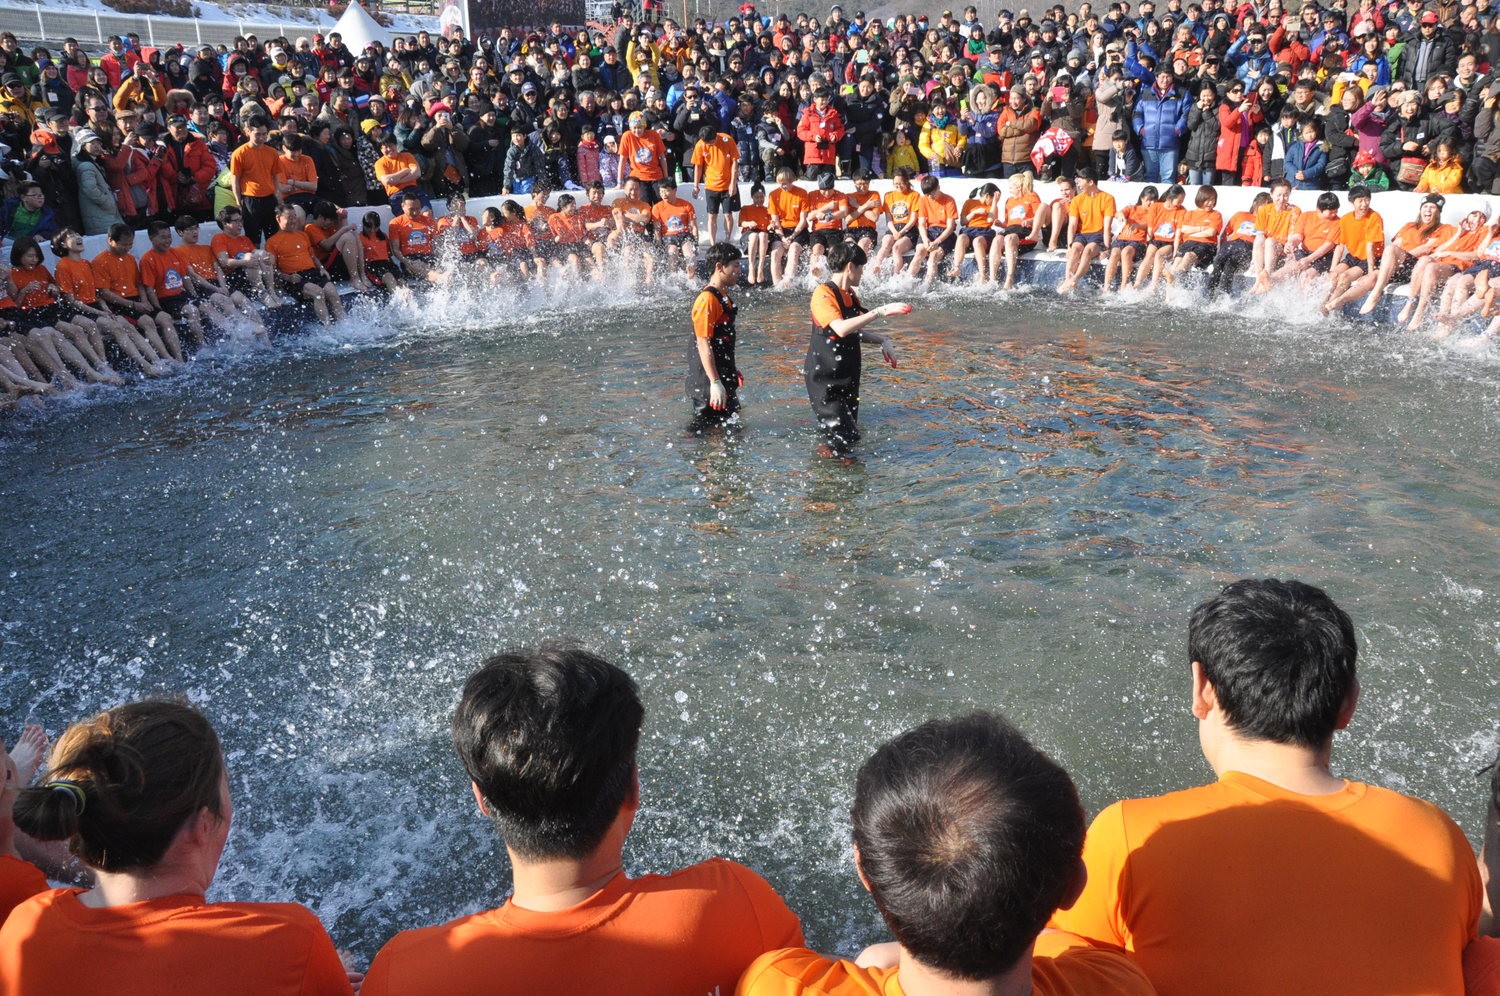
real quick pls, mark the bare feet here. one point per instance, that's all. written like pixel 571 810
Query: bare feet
pixel 28 752
pixel 1368 306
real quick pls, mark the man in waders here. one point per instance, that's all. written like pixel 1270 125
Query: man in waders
pixel 833 356
pixel 713 380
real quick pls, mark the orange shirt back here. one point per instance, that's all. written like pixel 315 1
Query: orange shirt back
pixel 256 169
pixel 1361 891
pixel 53 945
pixel 19 881
pixel 119 274
pixel 75 277
pixel 691 932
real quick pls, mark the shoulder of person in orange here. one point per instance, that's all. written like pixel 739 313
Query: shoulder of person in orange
pixel 316 233
pixel 828 303
pixel 231 245
pixel 76 277
pixel 117 272
pixel 376 249
pixel 859 203
pixel 1356 234
pixel 412 234
pixel 567 229
pixel 31 286
pixel 157 269
pixel 268 947
pixel 1062 964
pixel 1303 863
pixel 201 259
pixel 19 881
pixel 292 250
pixel 1482 967
pixel 937 209
pixel 1241 227
pixel 707 311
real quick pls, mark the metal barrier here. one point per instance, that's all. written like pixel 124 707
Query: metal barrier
pixel 46 24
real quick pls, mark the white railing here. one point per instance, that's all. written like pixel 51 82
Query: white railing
pixel 91 28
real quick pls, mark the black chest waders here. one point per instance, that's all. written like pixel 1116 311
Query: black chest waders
pixel 832 370
pixel 721 345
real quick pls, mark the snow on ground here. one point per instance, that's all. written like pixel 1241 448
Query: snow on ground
pixel 256 13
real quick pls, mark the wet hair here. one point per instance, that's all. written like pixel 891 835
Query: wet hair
pixel 22 246
pixel 843 254
pixel 987 190
pixel 969 837
pixel 904 172
pixel 1206 197
pixel 490 217
pixel 411 195
pixel 549 738
pixel 454 200
pixel 722 254
pixel 134 776
pixel 325 209
pixel 119 232
pixel 1281 183
pixel 757 188
pixel 1088 173
pixel 1328 201
pixel 286 208
pixel 374 229
pixel 156 228
pixel 1280 657
pixel 566 201
pixel 512 210
pixel 1175 190
pixel 1259 201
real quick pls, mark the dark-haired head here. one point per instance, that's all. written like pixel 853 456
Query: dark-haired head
pixel 1280 658
pixel 842 255
pixel 121 785
pixel 969 838
pixel 548 737
pixel 722 254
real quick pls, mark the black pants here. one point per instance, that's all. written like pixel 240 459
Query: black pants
pixel 1232 259
pixel 260 218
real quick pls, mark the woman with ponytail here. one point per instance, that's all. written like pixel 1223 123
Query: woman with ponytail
pixel 141 796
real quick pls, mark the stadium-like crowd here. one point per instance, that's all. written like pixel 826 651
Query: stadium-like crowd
pixel 287 143
pixel 1279 876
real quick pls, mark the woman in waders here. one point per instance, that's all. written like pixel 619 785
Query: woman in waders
pixel 833 356
pixel 713 380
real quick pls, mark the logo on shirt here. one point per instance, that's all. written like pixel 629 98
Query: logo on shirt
pixel 643 154
pixel 675 225
pixel 417 237
pixel 172 280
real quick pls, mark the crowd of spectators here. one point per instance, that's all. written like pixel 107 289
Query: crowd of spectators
pixel 1389 95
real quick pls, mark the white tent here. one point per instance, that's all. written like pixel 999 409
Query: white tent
pixel 359 29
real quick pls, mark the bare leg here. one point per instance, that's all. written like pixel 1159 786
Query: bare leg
pixel 28 752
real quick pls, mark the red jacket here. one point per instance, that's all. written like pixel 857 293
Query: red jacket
pixel 820 134
pixel 197 162
pixel 1234 128
pixel 128 169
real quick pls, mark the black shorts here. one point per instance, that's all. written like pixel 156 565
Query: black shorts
pixel 676 241
pixel 1162 243
pixel 562 250
pixel 827 237
pixel 1022 232
pixel 1089 239
pixel 380 269
pixel 1401 274
pixel 1353 264
pixel 1321 265
pixel 338 267
pixel 725 200
pixel 972 232
pixel 296 281
pixel 1203 252
pixel 1139 245
pixel 945 243
pixel 802 238
pixel 13 317
pixel 40 318
pixel 175 305
pixel 1488 266
pixel 236 280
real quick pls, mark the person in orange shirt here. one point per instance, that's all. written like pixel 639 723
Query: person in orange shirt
pixel 1361 242
pixel 643 156
pixel 755 225
pixel 598 223
pixel 458 232
pixel 977 221
pixel 902 221
pixel 865 211
pixel 1310 247
pixel 152 837
pixel 507 239
pixel 164 280
pixel 966 915
pixel 210 291
pixel 413 232
pixel 398 172
pixel 569 240
pixel 296 174
pixel 1482 956
pixel 118 279
pixel 632 234
pixel 676 223
pixel 19 878
pixel 1166 232
pixel 1414 242
pixel 1273 226
pixel 298 269
pixel 1130 241
pixel 1091 215
pixel 937 230
pixel 1326 885
pixel 1199 243
pixel 789 226
pixel 826 211
pixel 1237 254
pixel 336 245
pixel 713 378
pixel 79 292
pixel 1020 226
pixel 252 179
pixel 716 165
pixel 382 263
pixel 49 335
pixel 247 270
pixel 548 737
pixel 1431 275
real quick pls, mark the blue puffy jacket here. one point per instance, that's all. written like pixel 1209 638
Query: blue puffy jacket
pixel 1161 121
pixel 1309 159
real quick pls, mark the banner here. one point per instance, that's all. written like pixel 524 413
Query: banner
pixel 453 14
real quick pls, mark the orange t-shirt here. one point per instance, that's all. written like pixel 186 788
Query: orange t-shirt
pixel 937 210
pixel 707 313
pixel 592 214
pixel 566 229
pixel 448 228
pixel 293 252
pixel 300 169
pixel 233 246
pixel 858 203
pixel 386 165
pixel 54 944
pixel 201 260
pixel 1482 967
pixel 825 305
pixel 1061 965
pixel 1091 210
pixel 1137 222
pixel 1356 233
pixel 643 157
pixel 1204 218
pixel 1022 210
pixel 75 277
pixel 823 207
pixel 164 272
pixel 413 236
pixel 510 237
pixel 31 287
pixel 976 213
pixel 1464 242
pixel 901 208
pixel 1364 890
pixel 754 218
pixel 1316 230
pixel 377 250
pixel 119 274
pixel 717 159
pixel 1410 235
pixel 1165 221
pixel 316 233
pixel 674 219
pixel 691 932
pixel 256 169
pixel 1275 223
pixel 19 881
pixel 1241 228
pixel 786 206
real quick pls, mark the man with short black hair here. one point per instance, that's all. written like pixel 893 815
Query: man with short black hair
pixel 548 738
pixel 967 838
pixel 1281 876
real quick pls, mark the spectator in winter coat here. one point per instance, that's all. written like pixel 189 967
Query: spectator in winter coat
pixel 1161 116
pixel 1238 117
pixel 96 199
pixel 1203 136
pixel 1306 160
pixel 820 129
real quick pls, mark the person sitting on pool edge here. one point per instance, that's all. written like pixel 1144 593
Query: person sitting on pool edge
pixel 967 838
pixel 299 270
pixel 1091 215
pixel 1324 884
pixel 548 738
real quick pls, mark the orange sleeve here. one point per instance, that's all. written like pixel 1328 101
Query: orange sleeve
pixel 825 308
pixel 19 881
pixel 1066 963
pixel 706 313
pixel 1097 913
